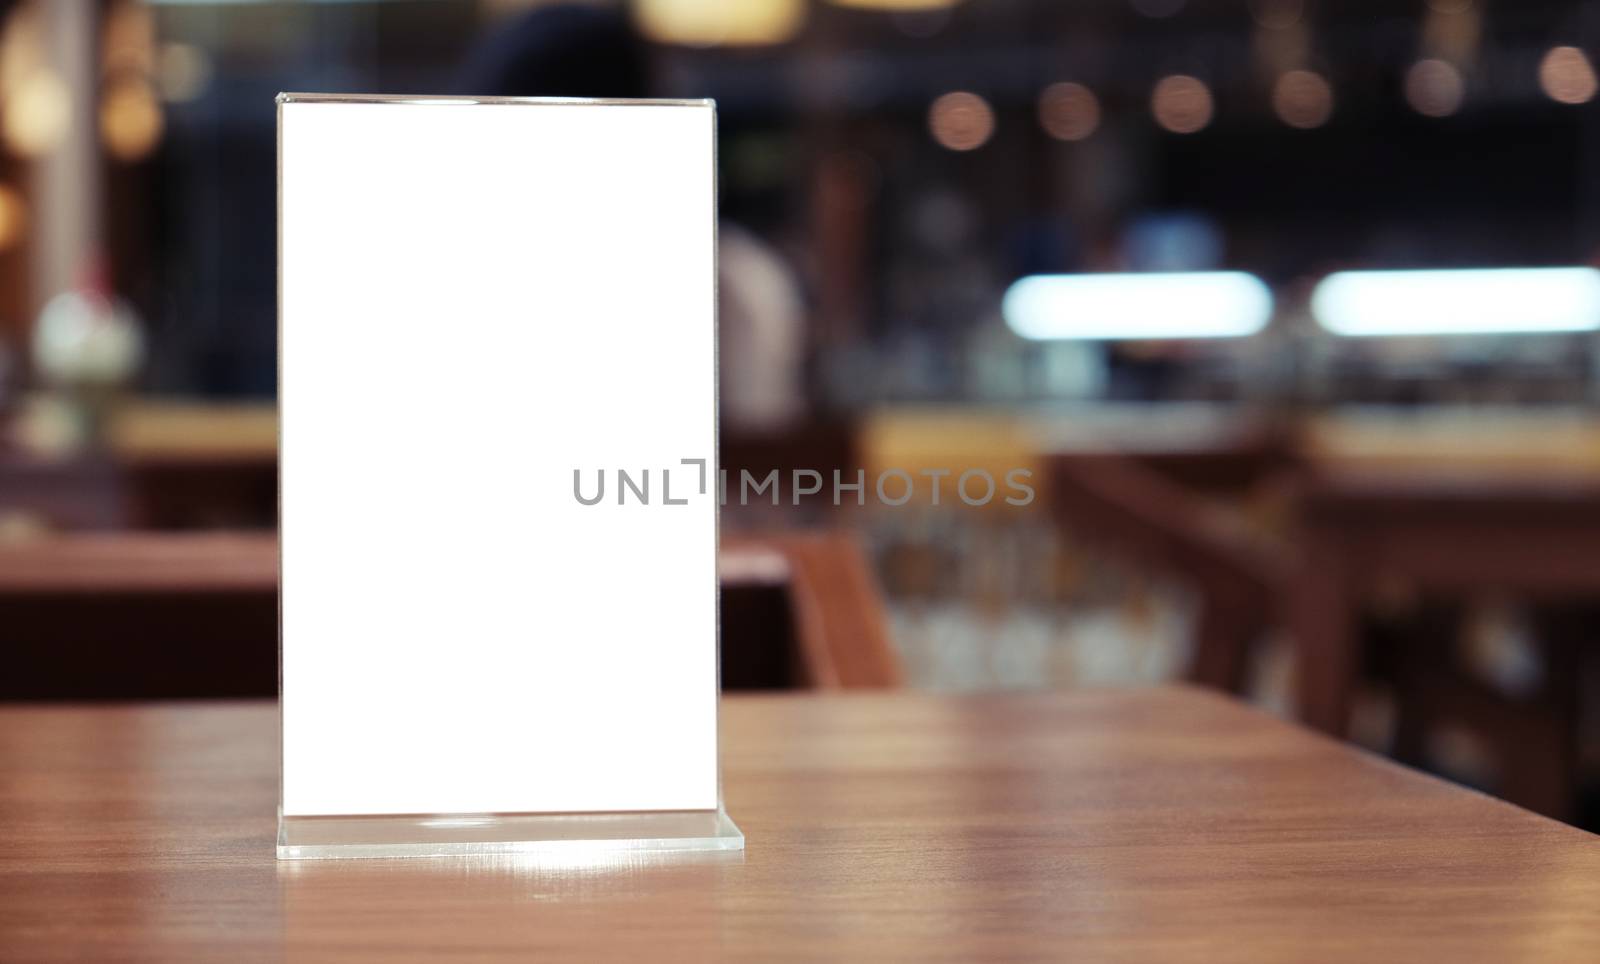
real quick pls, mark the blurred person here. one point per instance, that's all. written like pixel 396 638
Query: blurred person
pixel 584 51
pixel 760 337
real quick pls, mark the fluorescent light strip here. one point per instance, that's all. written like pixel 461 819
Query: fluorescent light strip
pixel 1105 307
pixel 1458 302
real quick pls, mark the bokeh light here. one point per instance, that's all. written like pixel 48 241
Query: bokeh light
pixel 1181 104
pixel 896 5
pixel 130 120
pixel 1141 305
pixel 1458 302
pixel 1303 99
pixel 961 121
pixel 1434 88
pixel 184 72
pixel 1069 111
pixel 1566 76
pixel 710 23
pixel 36 114
pixel 13 218
pixel 127 41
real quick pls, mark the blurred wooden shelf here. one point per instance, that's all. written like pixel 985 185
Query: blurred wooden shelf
pixel 141 562
pixel 165 430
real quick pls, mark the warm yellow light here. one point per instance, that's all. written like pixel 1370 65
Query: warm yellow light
pixel 127 41
pixel 1181 104
pixel 13 218
pixel 1434 88
pixel 1069 111
pixel 1566 76
pixel 36 114
pixel 710 23
pixel 130 120
pixel 23 49
pixel 961 121
pixel 1302 99
pixel 895 5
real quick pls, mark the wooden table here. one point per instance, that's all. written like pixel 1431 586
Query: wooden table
pixel 1165 824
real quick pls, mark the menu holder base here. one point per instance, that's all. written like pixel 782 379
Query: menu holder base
pixel 564 835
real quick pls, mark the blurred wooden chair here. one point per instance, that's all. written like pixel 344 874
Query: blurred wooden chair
pixel 166 615
pixel 802 610
pixel 1140 512
pixel 198 491
pixel 822 447
pixel 1448 537
pixel 819 445
pixel 139 616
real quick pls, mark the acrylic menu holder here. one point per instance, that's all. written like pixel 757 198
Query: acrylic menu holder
pixel 488 308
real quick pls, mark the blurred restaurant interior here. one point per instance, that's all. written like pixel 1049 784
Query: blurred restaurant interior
pixel 1288 309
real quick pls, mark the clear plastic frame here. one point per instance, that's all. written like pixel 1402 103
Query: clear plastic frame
pixel 485 306
pixel 489 834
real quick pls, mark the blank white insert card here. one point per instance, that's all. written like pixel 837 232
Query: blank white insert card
pixel 482 302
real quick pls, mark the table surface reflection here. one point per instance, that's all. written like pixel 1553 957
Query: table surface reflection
pixel 1162 824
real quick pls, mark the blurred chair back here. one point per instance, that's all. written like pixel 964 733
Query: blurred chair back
pixel 147 615
pixel 223 491
pixel 802 610
pixel 1144 513
pixel 139 616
